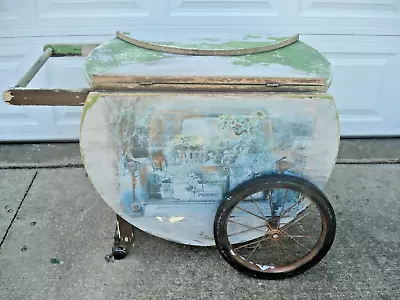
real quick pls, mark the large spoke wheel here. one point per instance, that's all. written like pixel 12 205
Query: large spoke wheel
pixel 274 226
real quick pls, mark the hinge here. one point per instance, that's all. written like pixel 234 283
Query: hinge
pixel 272 84
pixel 147 83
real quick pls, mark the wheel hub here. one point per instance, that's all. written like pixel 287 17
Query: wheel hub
pixel 275 234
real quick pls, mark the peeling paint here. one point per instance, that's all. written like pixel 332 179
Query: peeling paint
pixel 175 219
pixel 90 100
pixel 299 56
pixel 7 97
pixel 116 53
pixel 64 49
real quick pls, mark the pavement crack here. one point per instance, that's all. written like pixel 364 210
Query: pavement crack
pixel 17 211
pixel 43 166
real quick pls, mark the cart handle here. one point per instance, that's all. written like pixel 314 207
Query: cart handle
pixel 27 78
pixel 21 95
pixel 54 50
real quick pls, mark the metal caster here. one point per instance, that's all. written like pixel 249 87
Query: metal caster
pixel 118 252
pixel 123 239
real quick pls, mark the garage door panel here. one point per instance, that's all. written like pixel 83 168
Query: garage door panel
pixel 365 77
pixel 14 19
pixel 377 17
pixel 224 8
pixel 70 9
pixel 84 14
pixel 8 12
pixel 67 122
pixel 373 9
pixel 66 73
pixel 361 38
pixel 92 17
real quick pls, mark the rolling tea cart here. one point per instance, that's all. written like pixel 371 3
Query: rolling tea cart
pixel 223 141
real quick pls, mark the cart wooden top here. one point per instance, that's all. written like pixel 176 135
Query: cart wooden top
pixel 233 59
pixel 232 62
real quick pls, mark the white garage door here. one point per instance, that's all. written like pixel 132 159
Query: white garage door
pixel 360 37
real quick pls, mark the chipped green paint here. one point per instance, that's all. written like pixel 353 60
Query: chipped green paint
pixel 91 99
pixel 298 56
pixel 117 53
pixel 67 49
pixel 280 39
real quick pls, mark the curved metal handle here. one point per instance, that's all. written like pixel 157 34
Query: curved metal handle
pixel 207 52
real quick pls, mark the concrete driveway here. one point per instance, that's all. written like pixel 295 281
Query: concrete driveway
pixel 56 230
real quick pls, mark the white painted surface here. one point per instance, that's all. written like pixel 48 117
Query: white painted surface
pixel 312 155
pixel 360 37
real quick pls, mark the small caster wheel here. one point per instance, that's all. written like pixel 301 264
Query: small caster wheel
pixel 118 252
pixel 274 227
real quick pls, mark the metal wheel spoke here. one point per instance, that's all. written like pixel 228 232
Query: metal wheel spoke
pixel 249 212
pixel 270 203
pixel 283 205
pixel 300 236
pixel 250 229
pixel 252 243
pixel 258 207
pixel 291 224
pixel 289 239
pixel 291 207
pixel 254 250
pixel 294 239
pixel 236 222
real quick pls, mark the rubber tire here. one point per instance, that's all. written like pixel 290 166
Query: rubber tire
pixel 266 182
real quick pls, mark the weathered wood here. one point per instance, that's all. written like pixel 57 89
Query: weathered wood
pixel 206 87
pixel 124 232
pixel 52 97
pixel 208 83
pixel 24 81
pixel 210 80
pixel 118 58
pixel 70 49
pixel 208 52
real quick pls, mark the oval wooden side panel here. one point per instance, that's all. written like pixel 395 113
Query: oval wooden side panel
pixel 163 161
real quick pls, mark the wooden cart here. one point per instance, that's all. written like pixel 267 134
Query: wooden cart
pixel 223 141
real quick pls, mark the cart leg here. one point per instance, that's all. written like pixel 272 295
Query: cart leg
pixel 123 238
